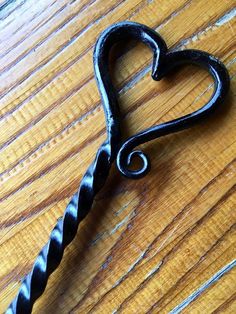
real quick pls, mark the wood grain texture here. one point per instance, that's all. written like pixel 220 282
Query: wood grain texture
pixel 163 244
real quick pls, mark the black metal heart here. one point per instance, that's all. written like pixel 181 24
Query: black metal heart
pixel 163 63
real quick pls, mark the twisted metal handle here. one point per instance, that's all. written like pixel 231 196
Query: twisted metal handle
pixel 63 233
pixel 65 230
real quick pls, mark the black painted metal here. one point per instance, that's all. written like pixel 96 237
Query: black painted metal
pixel 163 62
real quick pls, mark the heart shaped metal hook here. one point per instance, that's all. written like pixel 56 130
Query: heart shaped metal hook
pixel 162 65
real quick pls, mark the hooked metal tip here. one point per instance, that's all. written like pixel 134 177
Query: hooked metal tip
pixel 157 75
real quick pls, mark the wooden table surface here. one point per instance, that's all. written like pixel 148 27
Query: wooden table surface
pixel 163 244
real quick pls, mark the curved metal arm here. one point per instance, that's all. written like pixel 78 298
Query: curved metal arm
pixel 50 256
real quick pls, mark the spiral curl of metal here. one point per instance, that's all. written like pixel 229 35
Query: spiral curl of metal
pixel 80 204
